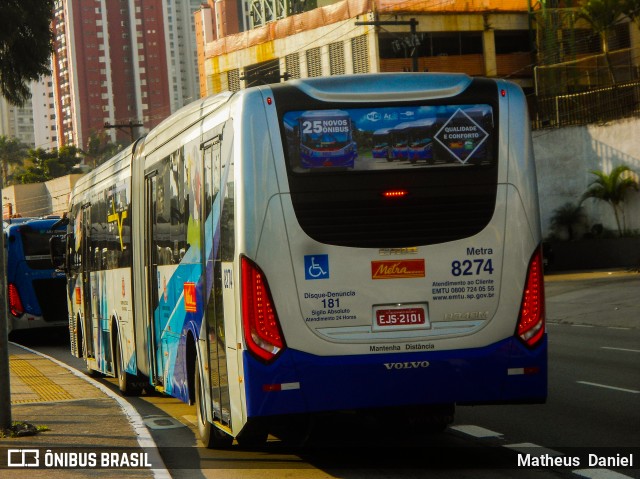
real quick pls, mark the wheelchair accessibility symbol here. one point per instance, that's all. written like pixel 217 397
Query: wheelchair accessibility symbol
pixel 316 266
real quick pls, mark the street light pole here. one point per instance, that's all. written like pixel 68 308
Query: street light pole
pixel 5 386
pixel 120 126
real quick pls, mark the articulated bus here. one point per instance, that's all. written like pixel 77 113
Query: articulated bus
pixel 203 262
pixel 35 291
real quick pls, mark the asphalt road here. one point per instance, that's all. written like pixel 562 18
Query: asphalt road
pixel 593 407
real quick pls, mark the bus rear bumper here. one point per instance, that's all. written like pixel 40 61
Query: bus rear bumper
pixel 506 372
pixel 28 321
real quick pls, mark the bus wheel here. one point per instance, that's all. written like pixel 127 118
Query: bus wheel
pixel 211 436
pixel 126 382
pixel 92 373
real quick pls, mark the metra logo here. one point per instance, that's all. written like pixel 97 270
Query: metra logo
pixel 389 269
pixel 407 365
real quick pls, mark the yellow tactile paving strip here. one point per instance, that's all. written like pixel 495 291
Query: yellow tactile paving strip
pixel 36 379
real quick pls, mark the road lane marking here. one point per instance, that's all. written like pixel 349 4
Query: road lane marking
pixel 475 431
pixel 621 349
pixel 633 391
pixel 600 474
pixel 582 325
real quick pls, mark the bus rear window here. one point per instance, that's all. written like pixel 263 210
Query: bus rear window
pixel 383 138
pixel 35 243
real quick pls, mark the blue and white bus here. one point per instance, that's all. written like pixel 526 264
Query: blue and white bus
pixel 205 263
pixel 35 291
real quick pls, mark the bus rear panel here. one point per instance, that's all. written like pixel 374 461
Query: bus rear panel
pixel 393 284
pixel 36 292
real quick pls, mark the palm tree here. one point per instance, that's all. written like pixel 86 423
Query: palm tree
pixel 602 15
pixel 613 188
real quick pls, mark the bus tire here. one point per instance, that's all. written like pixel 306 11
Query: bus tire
pixel 82 347
pixel 211 436
pixel 127 383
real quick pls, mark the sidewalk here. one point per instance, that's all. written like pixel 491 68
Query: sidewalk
pixel 79 413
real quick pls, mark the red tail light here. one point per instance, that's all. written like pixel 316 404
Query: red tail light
pixel 531 320
pixel 15 303
pixel 261 327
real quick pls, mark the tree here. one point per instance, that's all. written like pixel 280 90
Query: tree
pixel 26 44
pixel 631 8
pixel 12 152
pixel 47 165
pixel 100 149
pixel 602 15
pixel 613 188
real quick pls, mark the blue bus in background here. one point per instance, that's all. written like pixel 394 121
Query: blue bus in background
pixel 420 134
pixel 36 292
pixel 326 139
pixel 381 146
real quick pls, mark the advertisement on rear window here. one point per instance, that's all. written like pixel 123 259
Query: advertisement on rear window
pixel 389 137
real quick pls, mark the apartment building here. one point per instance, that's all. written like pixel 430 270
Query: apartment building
pixel 17 122
pixel 44 113
pixel 118 64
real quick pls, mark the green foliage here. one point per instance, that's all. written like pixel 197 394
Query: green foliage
pixel 12 152
pixel 631 8
pixel 47 165
pixel 602 15
pixel 613 188
pixel 26 44
pixel 100 149
pixel 567 217
pixel 21 429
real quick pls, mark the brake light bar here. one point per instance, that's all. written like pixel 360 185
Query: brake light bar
pixel 531 327
pixel 399 193
pixel 262 332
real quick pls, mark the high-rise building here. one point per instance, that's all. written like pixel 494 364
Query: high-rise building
pixel 17 122
pixel 182 60
pixel 44 113
pixel 110 68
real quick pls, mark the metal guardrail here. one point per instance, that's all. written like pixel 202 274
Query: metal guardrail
pixel 595 106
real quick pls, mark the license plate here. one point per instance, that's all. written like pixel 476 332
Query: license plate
pixel 403 316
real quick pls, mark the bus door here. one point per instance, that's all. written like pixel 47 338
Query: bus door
pixel 85 271
pixel 214 313
pixel 151 256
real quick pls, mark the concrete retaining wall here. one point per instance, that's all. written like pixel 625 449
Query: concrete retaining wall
pixel 564 158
